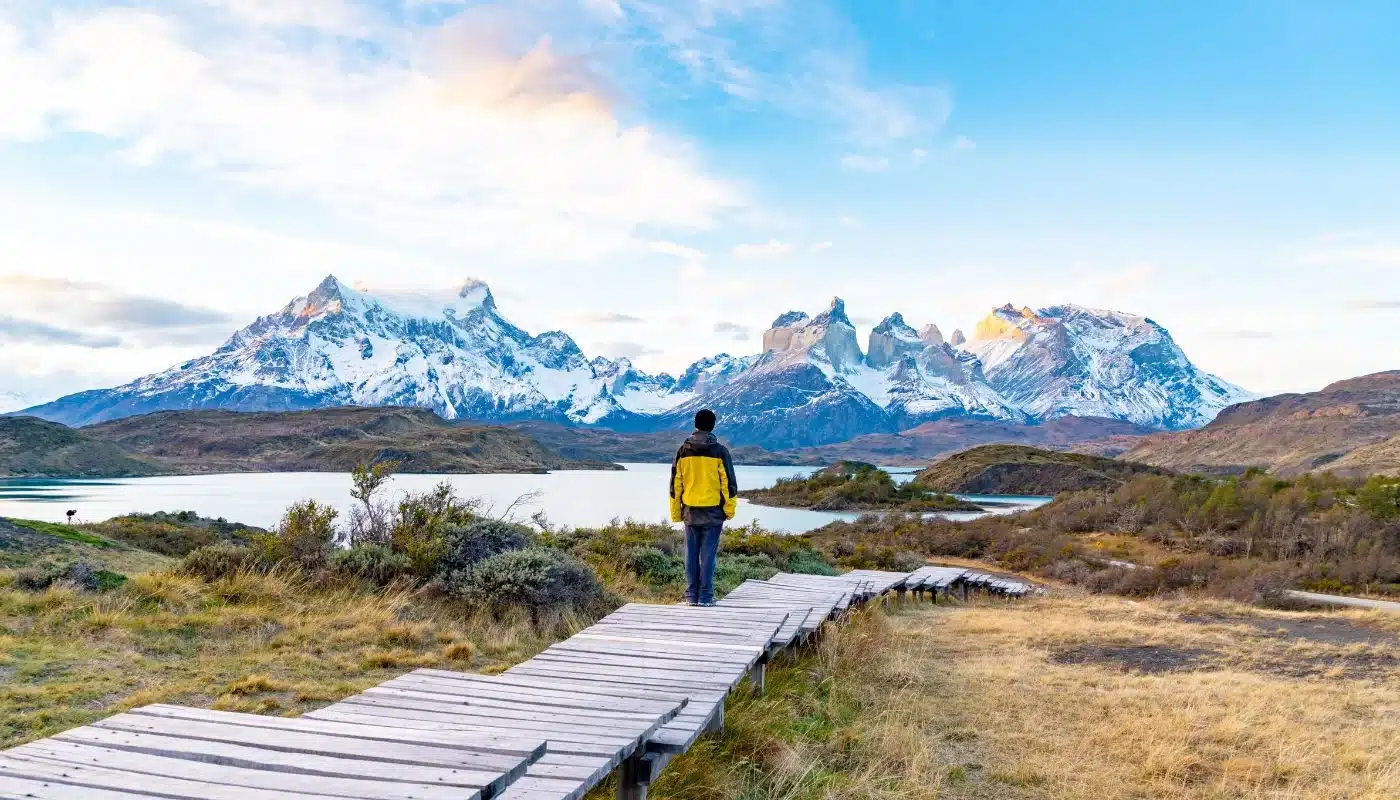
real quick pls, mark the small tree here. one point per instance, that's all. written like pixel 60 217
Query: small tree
pixel 369 522
pixel 305 535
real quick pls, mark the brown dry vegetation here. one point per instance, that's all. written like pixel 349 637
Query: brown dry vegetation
pixel 267 643
pixel 973 703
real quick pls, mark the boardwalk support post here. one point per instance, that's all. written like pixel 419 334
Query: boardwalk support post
pixel 633 778
pixel 758 676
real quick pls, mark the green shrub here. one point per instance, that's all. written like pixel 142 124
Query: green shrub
pixel 375 563
pixel 733 569
pixel 809 562
pixel 478 540
pixel 656 566
pixel 218 561
pixel 907 561
pixel 538 579
pixel 80 574
pixel 173 534
pixel 420 524
pixel 306 536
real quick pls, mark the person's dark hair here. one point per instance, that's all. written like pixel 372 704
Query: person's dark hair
pixel 705 420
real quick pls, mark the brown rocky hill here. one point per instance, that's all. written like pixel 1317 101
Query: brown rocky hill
pixel 934 440
pixel 1352 427
pixel 1018 470
pixel 333 439
pixel 32 447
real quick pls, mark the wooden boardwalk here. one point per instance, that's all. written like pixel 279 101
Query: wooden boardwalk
pixel 624 695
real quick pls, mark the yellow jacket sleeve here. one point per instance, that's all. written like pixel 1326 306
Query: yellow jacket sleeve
pixel 729 485
pixel 677 491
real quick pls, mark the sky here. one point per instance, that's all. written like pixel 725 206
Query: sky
pixel 662 178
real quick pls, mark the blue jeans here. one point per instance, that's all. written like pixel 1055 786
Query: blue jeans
pixel 701 547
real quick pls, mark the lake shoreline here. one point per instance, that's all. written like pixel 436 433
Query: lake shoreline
pixel 572 498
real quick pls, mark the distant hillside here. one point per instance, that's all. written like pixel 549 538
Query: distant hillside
pixel 334 439
pixel 915 447
pixel 32 447
pixel 1350 427
pixel 1013 469
pixel 601 444
pixel 934 440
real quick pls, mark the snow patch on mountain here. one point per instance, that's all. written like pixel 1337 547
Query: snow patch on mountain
pixel 1071 360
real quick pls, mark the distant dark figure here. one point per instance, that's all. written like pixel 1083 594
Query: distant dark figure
pixel 704 494
pixel 72 512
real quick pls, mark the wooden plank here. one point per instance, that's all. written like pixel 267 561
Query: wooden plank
pixel 528 749
pixel 94 777
pixel 76 757
pixel 312 744
pixel 14 788
pixel 250 757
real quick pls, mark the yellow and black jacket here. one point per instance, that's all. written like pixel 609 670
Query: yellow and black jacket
pixel 703 488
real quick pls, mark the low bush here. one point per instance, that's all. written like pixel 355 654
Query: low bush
pixel 538 579
pixel 172 534
pixel 218 561
pixel 80 574
pixel 656 566
pixel 375 563
pixel 732 569
pixel 478 540
pixel 305 536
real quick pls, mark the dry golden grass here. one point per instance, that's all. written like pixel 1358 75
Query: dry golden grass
pixel 262 643
pixel 973 702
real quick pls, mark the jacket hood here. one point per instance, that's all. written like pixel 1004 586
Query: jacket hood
pixel 702 437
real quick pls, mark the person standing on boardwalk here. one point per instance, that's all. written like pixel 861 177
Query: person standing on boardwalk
pixel 703 495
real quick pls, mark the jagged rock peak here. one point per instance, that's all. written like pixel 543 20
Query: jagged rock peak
pixel 931 335
pixel 891 340
pixel 958 338
pixel 835 313
pixel 791 319
pixel 475 292
pixel 894 322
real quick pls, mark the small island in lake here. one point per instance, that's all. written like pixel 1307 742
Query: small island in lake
pixel 855 486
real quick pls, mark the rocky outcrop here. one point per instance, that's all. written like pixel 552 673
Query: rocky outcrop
pixel 892 340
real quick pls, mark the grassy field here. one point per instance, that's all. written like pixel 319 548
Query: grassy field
pixel 1068 697
pixel 261 643
pixel 1072 695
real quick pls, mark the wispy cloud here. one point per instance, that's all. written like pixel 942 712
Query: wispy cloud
pixel 918 155
pixel 515 146
pixel 964 143
pixel 862 163
pixel 104 308
pixel 1243 334
pixel 735 331
pixel 817 247
pixel 610 318
pixel 31 332
pixel 767 250
pixel 627 350
pixel 1376 305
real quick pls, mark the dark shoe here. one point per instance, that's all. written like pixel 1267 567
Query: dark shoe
pixel 710 604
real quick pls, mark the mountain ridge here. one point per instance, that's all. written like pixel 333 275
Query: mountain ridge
pixel 812 384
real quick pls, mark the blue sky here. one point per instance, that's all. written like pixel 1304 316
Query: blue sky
pixel 171 170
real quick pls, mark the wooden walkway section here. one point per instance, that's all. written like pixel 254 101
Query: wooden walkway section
pixel 624 695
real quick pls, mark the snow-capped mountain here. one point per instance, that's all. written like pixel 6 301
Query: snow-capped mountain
pixel 338 346
pixel 811 385
pixel 1068 360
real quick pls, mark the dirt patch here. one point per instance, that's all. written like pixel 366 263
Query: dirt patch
pixel 1350 666
pixel 1149 659
pixel 1321 630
